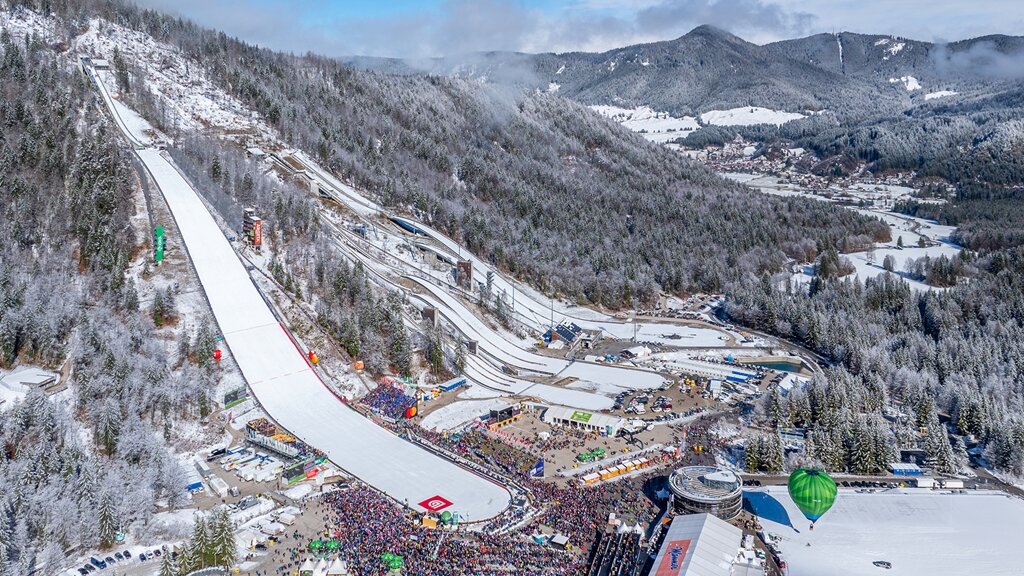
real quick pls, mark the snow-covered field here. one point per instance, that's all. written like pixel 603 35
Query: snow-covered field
pixel 748 116
pixel 908 228
pixel 939 94
pixel 654 126
pixel 921 532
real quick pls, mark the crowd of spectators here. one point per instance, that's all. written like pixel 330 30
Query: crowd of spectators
pixel 371 525
pixel 388 400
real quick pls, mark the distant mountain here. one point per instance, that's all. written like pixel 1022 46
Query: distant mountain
pixel 940 109
pixel 852 75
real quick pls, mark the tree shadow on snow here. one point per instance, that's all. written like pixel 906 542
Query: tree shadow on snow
pixel 766 506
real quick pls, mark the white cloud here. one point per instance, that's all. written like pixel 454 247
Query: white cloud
pixel 460 26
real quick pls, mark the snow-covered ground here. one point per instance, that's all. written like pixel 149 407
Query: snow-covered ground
pixel 939 94
pixel 190 96
pixel 909 82
pixel 921 532
pixel 458 414
pixel 23 22
pixel 494 345
pixel 908 228
pixel 748 116
pixel 654 126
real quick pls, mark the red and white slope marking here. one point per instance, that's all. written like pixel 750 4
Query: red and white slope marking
pixel 289 390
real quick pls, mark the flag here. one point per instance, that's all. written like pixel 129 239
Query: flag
pixel 538 469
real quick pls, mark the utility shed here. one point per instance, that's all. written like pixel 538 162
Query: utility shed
pixel 698 545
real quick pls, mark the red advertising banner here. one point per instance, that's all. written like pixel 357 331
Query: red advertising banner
pixel 435 503
pixel 674 558
pixel 257 233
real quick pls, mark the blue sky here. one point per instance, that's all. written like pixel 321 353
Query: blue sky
pixel 426 28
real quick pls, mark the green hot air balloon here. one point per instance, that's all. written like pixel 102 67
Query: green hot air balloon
pixel 813 491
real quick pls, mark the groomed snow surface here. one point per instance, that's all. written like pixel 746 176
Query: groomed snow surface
pixel 921 532
pixel 939 94
pixel 287 387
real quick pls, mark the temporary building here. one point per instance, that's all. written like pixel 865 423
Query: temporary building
pixel 218 486
pixel 924 482
pixel 904 469
pixel 574 418
pixel 698 545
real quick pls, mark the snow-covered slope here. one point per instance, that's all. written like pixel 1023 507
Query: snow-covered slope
pixel 909 82
pixel 191 98
pixel 655 126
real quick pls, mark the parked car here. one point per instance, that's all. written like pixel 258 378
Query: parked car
pixel 97 562
pixel 83 571
pixel 110 560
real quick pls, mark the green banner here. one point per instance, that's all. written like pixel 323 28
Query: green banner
pixel 578 416
pixel 158 244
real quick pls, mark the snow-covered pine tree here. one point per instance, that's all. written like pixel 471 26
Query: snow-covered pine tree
pixel 189 558
pixel 222 540
pixel 774 409
pixel 108 520
pixel 167 567
pixel 752 454
pixel 775 460
pixel 201 542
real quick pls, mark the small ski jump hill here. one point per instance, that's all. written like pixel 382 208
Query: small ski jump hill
pixel 293 394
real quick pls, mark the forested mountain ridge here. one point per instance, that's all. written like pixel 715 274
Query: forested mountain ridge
pixel 709 68
pixel 892 102
pixel 535 183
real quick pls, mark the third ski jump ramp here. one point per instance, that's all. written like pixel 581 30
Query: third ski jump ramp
pixel 292 393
